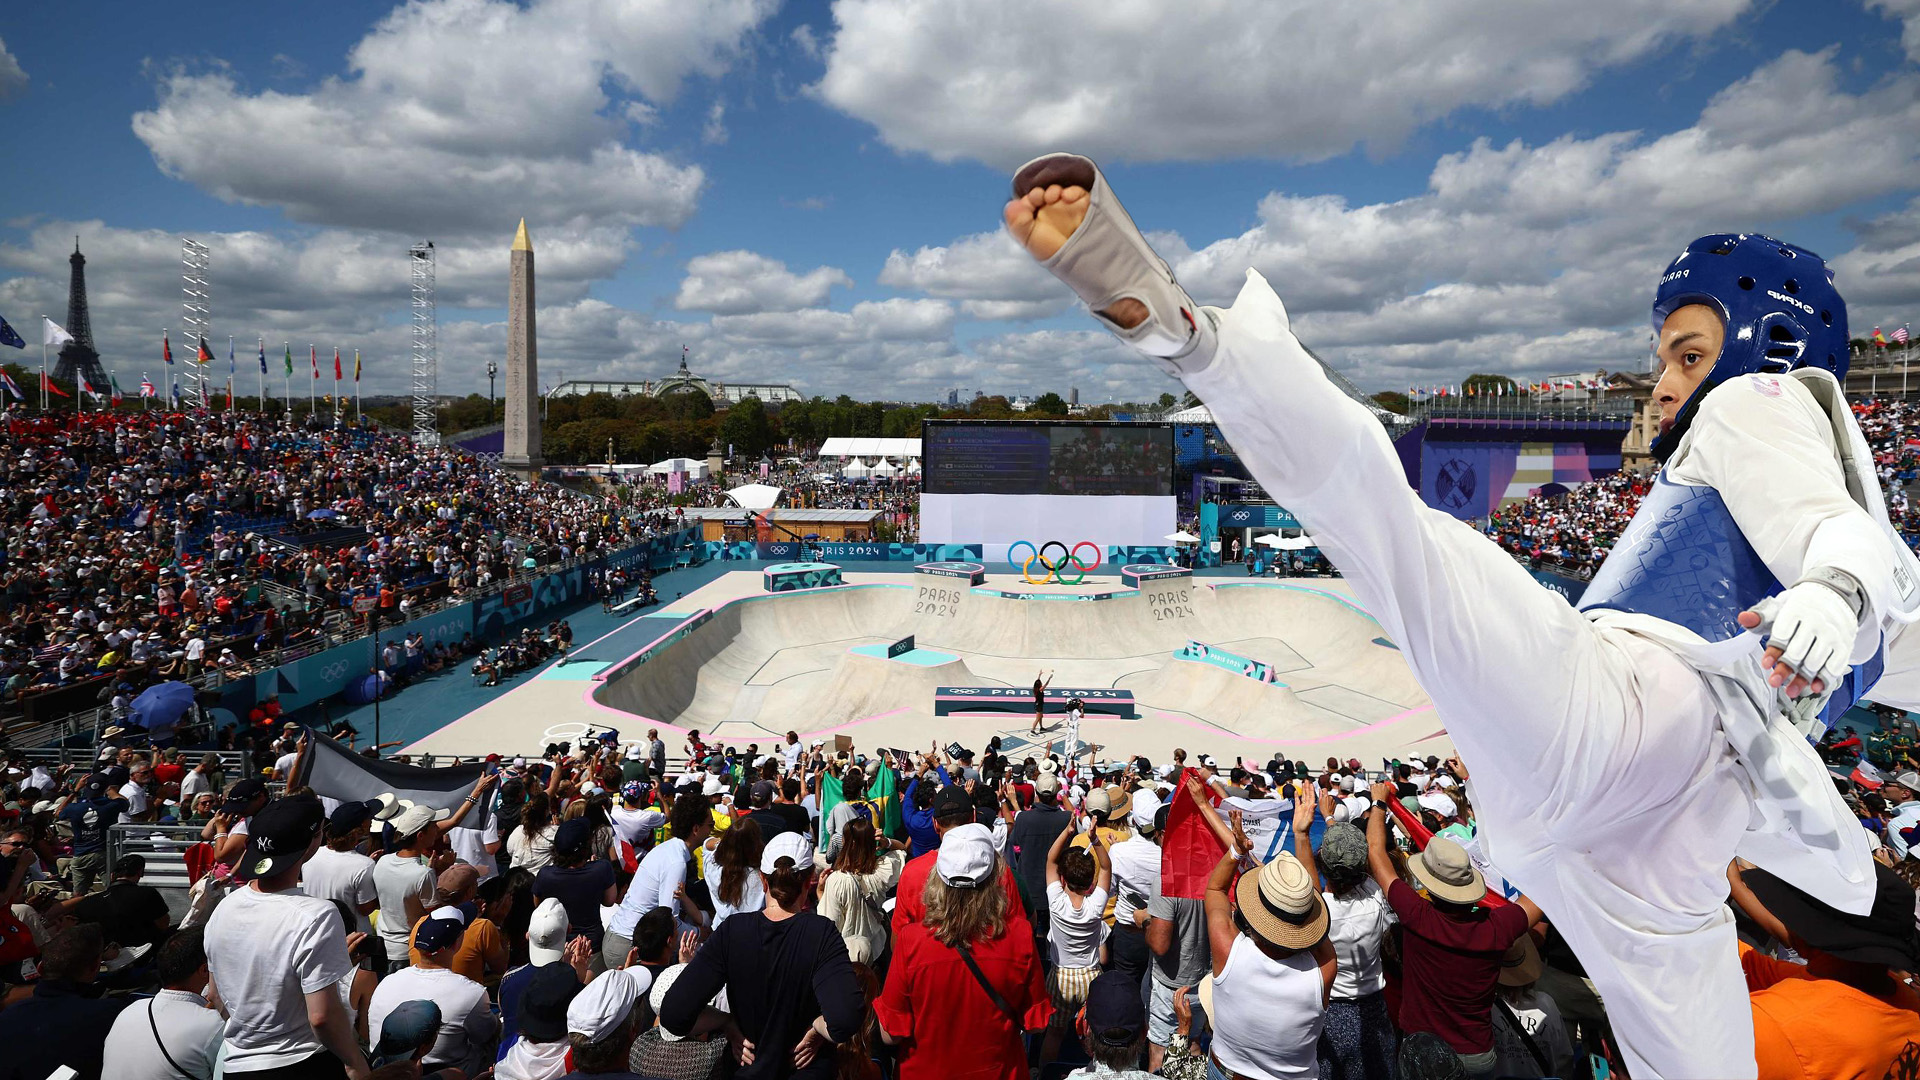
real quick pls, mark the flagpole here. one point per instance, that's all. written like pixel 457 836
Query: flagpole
pixel 43 364
pixel 356 386
pixel 313 403
pixel 262 402
pixel 286 389
pixel 229 372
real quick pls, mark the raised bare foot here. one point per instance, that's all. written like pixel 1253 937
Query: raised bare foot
pixel 1054 205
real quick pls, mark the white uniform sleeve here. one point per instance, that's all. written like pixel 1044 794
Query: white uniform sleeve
pixel 1767 447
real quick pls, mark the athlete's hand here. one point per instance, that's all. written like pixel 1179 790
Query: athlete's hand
pixel 1810 631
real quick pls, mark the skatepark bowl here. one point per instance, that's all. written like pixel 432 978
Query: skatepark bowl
pixel 1214 665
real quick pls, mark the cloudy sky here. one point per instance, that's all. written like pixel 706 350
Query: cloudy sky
pixel 810 191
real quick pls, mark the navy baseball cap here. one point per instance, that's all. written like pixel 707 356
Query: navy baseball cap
pixel 1115 1014
pixel 543 1005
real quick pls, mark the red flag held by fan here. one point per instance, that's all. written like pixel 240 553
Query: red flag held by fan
pixel 1189 851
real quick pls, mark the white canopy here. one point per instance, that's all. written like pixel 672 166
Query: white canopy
pixel 883 467
pixel 755 496
pixel 841 446
pixel 913 468
pixel 1183 537
pixel 693 467
pixel 1199 414
pixel 1286 543
pixel 854 469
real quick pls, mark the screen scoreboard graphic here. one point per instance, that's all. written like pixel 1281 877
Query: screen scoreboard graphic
pixel 1061 458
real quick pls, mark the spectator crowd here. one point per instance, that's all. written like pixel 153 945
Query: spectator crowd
pixel 1573 531
pixel 800 910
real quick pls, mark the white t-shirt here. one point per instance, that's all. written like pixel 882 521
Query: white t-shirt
pixel 136 797
pixel 530 853
pixel 341 875
pixel 265 988
pixel 189 1029
pixel 1074 935
pixel 193 783
pixel 468 1030
pixel 1357 926
pixel 1136 876
pixel 396 877
pixel 753 892
pixel 791 754
pixel 633 825
pixel 471 846
pixel 283 765
pixel 659 874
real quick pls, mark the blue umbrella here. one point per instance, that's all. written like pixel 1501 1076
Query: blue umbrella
pixel 361 690
pixel 323 512
pixel 159 707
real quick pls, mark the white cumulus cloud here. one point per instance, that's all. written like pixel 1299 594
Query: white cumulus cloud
pixel 1002 80
pixel 745 282
pixel 458 114
pixel 13 78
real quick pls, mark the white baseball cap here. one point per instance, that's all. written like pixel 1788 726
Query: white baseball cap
pixel 603 1006
pixel 713 786
pixel 787 845
pixel 1439 803
pixel 965 859
pixel 547 933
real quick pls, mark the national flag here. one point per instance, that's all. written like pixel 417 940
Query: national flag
pixel 13 388
pixel 55 334
pixel 85 387
pixel 204 355
pixel 1899 335
pixel 176 393
pixel 336 363
pixel 335 772
pixel 263 356
pixel 166 350
pixel 289 361
pixel 1879 339
pixel 146 385
pixel 8 336
pixel 117 399
pixel 229 356
pixel 1189 850
pixel 313 357
pixel 356 365
pixel 47 384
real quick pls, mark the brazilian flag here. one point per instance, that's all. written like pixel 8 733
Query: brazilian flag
pixel 883 793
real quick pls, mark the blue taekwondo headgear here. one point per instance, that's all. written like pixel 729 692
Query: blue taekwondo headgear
pixel 1776 300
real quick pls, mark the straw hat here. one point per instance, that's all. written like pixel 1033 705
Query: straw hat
pixel 1281 903
pixel 1444 870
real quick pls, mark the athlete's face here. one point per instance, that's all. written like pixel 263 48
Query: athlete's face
pixel 1689 343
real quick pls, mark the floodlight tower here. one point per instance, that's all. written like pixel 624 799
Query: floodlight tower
pixel 426 344
pixel 196 308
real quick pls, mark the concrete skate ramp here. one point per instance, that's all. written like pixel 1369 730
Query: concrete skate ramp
pixel 761 665
pixel 861 686
pixel 695 681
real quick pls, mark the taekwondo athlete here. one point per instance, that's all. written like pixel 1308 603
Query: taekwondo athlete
pixel 1625 752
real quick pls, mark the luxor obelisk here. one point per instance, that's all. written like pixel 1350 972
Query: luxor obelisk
pixel 522 430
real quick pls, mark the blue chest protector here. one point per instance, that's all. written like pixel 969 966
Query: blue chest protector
pixel 1684 559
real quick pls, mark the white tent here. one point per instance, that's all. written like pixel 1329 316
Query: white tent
pixel 883 467
pixel 854 470
pixel 913 468
pixel 1285 543
pixel 1183 537
pixel 693 467
pixel 844 446
pixel 755 496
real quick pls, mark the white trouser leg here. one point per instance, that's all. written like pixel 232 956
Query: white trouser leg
pixel 1566 727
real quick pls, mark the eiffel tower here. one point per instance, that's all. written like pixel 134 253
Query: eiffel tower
pixel 78 356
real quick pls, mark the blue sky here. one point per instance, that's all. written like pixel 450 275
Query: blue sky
pixel 809 192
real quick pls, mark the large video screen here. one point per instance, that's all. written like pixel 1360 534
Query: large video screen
pixel 973 457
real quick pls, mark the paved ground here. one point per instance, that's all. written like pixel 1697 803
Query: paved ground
pixel 761 664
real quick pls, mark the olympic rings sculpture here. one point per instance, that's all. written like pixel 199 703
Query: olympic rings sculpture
pixel 1055 568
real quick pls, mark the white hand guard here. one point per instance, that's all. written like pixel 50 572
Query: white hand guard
pixel 1814 626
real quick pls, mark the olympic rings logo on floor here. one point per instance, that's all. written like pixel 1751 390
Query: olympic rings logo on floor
pixel 1056 569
